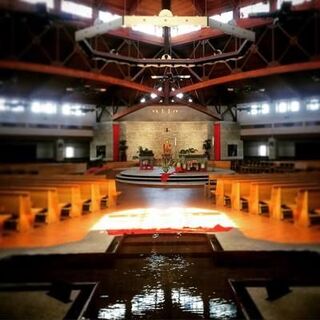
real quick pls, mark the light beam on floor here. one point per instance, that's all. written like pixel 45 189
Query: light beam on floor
pixel 174 219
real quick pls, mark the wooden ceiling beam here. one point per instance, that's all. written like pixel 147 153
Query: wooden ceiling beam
pixel 72 73
pixel 200 7
pixel 134 108
pixel 204 33
pixel 264 72
pixel 207 33
pixel 200 108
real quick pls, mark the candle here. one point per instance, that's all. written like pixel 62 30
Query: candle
pixel 175 141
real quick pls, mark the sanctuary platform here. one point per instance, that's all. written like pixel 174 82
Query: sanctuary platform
pixel 153 177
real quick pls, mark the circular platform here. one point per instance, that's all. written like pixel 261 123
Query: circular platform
pixel 153 177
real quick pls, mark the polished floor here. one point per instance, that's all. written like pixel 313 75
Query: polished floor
pixel 88 233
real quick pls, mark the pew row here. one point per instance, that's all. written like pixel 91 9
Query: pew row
pixel 44 202
pixel 16 208
pixel 307 211
pixel 275 195
pixel 95 192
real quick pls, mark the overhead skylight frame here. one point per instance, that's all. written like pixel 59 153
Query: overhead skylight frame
pixel 165 19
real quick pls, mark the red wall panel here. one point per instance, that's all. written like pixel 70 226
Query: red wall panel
pixel 116 137
pixel 217 141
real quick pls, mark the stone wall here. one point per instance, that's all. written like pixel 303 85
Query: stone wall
pixel 152 135
pixel 103 136
pixel 230 136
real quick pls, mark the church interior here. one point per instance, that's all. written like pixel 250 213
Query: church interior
pixel 159 159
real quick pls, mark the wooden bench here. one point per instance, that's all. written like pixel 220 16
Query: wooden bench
pixel 44 202
pixel 16 206
pixel 102 189
pixel 307 211
pixel 224 190
pixel 211 184
pixel 90 190
pixel 240 193
pixel 284 199
pixel 95 190
pixel 260 193
pixel 69 194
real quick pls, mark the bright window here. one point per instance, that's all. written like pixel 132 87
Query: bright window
pixel 287 106
pixel 223 17
pixel 265 108
pixel 18 108
pixel 311 105
pixel 294 106
pixel 262 150
pixel 254 109
pixel 261 108
pixel 43 107
pixel 253 8
pixel 282 106
pixel 72 109
pixel 76 9
pixel 69 152
pixel 3 106
pixel 49 3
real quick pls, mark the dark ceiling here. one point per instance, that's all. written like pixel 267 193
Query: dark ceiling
pixel 40 58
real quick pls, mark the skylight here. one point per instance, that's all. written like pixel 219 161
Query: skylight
pixel 148 29
pixel 254 8
pixel 294 2
pixel 106 16
pixel 183 29
pixel 158 31
pixel 224 17
pixel 76 9
pixel 49 3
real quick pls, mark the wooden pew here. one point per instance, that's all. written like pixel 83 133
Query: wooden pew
pixel 89 188
pixel 44 202
pixel 307 211
pixel 211 184
pixel 225 191
pixel 102 189
pixel 113 194
pixel 284 199
pixel 260 192
pixel 69 194
pixel 234 190
pixel 240 193
pixel 17 205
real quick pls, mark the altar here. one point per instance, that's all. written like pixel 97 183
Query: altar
pixel 146 162
pixel 193 162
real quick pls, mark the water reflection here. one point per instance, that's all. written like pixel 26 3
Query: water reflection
pixel 116 311
pixel 222 309
pixel 152 299
pixel 164 287
pixel 184 299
